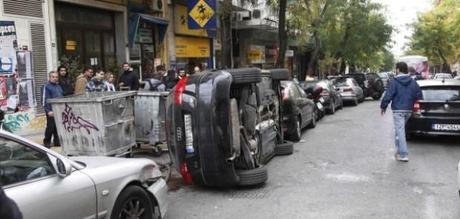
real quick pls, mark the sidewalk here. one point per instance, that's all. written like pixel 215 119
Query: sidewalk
pixel 36 136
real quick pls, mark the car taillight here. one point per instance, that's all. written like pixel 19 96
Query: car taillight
pixel 416 107
pixel 186 175
pixel 347 89
pixel 180 88
pixel 325 93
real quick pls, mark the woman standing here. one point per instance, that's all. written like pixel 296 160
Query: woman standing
pixel 109 81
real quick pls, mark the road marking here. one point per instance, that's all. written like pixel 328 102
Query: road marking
pixel 348 177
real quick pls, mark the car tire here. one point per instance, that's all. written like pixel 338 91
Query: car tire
pixel 279 74
pixel 355 102
pixel 313 120
pixel 252 177
pixel 245 75
pixel 297 134
pixel 127 197
pixel 377 96
pixel 341 104
pixel 332 109
pixel 285 148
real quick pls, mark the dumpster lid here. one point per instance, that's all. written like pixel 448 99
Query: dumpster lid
pixel 152 93
pixel 93 97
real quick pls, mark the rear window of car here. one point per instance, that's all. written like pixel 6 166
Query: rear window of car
pixel 341 82
pixel 451 93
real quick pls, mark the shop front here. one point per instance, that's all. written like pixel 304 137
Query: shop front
pixel 193 47
pixel 89 36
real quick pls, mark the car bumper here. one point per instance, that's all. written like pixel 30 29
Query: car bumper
pixel 427 126
pixel 348 97
pixel 159 190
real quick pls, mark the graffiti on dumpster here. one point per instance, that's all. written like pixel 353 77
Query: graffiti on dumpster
pixel 71 122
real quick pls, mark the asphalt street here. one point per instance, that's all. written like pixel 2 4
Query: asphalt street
pixel 344 168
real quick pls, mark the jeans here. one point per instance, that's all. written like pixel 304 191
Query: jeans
pixel 400 120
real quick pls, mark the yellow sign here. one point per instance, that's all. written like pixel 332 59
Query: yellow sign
pixel 180 23
pixel 188 47
pixel 256 54
pixel 70 45
pixel 201 13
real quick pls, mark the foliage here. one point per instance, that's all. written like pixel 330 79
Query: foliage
pixel 437 34
pixel 72 63
pixel 353 32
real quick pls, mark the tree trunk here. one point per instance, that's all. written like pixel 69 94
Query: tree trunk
pixel 226 34
pixel 282 36
pixel 314 55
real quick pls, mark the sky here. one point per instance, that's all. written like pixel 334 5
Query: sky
pixel 400 14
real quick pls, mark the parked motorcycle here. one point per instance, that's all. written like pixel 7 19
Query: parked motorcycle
pixel 314 93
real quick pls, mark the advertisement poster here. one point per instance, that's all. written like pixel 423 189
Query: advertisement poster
pixel 8 46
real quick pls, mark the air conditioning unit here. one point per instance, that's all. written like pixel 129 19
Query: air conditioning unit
pixel 157 5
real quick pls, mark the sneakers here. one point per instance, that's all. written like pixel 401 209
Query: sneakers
pixel 402 159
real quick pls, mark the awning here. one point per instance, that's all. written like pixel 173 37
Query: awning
pixel 135 19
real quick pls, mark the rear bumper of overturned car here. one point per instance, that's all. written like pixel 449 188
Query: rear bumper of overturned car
pixel 425 126
pixel 159 190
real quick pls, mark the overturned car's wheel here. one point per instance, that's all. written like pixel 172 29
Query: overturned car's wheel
pixel 133 202
pixel 245 75
pixel 285 148
pixel 252 177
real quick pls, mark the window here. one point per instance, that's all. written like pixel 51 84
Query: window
pixel 20 163
pixel 444 93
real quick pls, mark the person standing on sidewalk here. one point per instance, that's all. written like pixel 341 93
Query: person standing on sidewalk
pixel 51 90
pixel 128 79
pixel 403 92
pixel 82 80
pixel 64 81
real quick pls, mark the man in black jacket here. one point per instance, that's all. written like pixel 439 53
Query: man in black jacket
pixel 128 79
pixel 64 81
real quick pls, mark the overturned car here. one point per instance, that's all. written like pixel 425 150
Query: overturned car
pixel 224 125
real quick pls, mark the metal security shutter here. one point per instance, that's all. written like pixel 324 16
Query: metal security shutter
pixel 39 61
pixel 31 8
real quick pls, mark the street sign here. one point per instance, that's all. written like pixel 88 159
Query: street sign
pixel 201 14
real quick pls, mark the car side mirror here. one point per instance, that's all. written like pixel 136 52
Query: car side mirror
pixel 64 168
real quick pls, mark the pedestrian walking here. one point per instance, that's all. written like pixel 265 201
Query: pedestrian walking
pixel 403 92
pixel 51 90
pixel 97 83
pixel 82 80
pixel 109 81
pixel 64 81
pixel 128 79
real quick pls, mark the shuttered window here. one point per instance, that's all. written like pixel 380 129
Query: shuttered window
pixel 39 61
pixel 31 8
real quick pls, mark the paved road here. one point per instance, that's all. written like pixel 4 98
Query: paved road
pixel 344 168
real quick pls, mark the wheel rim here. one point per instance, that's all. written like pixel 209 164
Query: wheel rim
pixel 133 208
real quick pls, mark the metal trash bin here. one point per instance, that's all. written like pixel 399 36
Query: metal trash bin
pixel 98 123
pixel 150 111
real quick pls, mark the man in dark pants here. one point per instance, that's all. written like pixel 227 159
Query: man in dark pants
pixel 51 90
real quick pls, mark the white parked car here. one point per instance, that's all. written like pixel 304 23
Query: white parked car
pixel 45 184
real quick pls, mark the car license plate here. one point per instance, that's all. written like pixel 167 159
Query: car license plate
pixel 320 106
pixel 446 127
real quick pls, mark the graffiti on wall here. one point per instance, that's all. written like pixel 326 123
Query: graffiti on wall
pixel 70 121
pixel 17 121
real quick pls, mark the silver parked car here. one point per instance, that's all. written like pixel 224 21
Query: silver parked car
pixel 349 90
pixel 46 184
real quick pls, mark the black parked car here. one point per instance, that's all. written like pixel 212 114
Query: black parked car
pixel 371 84
pixel 223 126
pixel 439 111
pixel 298 110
